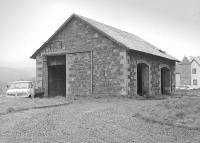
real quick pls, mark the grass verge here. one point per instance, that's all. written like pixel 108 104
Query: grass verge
pixel 184 111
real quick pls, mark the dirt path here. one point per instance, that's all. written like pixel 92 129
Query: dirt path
pixel 90 121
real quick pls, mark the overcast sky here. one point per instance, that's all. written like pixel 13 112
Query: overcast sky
pixel 171 25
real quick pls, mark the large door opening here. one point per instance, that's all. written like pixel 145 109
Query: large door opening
pixel 165 81
pixel 142 79
pixel 56 76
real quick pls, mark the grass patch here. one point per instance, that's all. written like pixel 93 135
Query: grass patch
pixel 154 97
pixel 10 109
pixel 180 114
pixel 154 121
pixel 184 111
pixel 12 105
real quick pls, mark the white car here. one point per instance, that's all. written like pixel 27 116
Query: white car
pixel 20 89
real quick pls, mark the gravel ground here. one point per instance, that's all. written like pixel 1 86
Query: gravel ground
pixel 91 121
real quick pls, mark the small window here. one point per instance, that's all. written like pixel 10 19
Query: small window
pixel 194 71
pixel 58 44
pixel 195 82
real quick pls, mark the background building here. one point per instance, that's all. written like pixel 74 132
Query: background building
pixel 188 72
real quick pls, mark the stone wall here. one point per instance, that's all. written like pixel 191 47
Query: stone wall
pixel 109 68
pixel 78 69
pixel 108 61
pixel 108 74
pixel 39 71
pixel 155 64
pixel 100 72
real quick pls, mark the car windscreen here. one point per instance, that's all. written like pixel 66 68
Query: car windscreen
pixel 20 85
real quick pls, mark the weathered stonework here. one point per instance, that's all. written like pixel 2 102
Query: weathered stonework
pixel 79 74
pixel 107 67
pixel 108 74
pixel 96 65
pixel 155 64
pixel 132 76
pixel 45 76
pixel 39 71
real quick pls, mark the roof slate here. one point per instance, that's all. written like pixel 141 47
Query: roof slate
pixel 128 40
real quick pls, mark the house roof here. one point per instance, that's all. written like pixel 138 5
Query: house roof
pixel 195 59
pixel 126 39
pixel 190 60
pixel 186 62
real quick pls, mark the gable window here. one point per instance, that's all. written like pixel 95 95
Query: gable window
pixel 194 71
pixel 194 81
pixel 58 44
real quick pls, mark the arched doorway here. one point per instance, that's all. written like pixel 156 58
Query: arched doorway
pixel 165 81
pixel 142 79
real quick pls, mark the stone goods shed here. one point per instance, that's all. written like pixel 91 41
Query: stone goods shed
pixel 87 58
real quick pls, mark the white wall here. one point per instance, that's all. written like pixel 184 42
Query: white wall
pixel 195 76
pixel 178 79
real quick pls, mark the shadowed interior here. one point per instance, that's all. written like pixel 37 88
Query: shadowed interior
pixel 56 76
pixel 142 79
pixel 165 81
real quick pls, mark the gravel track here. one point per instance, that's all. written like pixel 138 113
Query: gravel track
pixel 90 121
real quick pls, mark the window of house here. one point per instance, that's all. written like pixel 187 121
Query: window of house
pixel 195 82
pixel 194 71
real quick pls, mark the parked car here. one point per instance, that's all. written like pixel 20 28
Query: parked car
pixel 20 89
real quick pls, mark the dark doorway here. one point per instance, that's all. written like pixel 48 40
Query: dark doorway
pixel 56 76
pixel 142 79
pixel 165 81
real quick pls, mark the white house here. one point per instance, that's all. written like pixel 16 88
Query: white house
pixel 188 72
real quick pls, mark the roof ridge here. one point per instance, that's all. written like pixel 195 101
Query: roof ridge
pixel 129 34
pixel 124 38
pixel 110 26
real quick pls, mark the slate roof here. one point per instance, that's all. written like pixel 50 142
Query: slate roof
pixel 190 60
pixel 126 39
pixel 197 59
pixel 186 62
